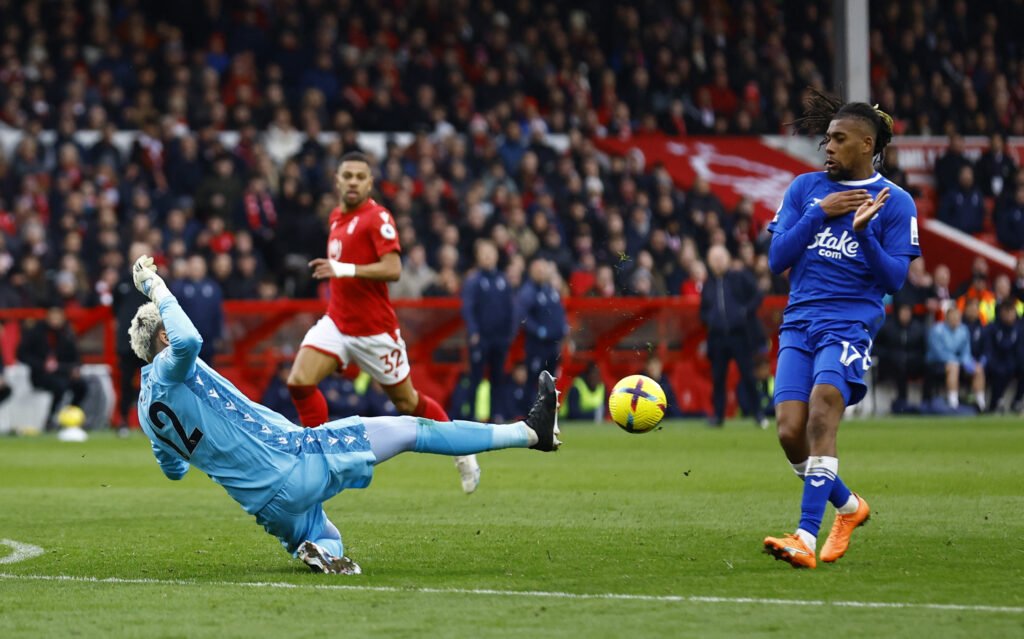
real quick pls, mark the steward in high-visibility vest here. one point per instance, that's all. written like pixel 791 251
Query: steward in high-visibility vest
pixel 987 309
pixel 586 401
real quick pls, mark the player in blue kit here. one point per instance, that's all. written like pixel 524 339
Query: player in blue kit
pixel 848 236
pixel 275 470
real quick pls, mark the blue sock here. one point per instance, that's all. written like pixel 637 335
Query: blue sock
pixel 840 494
pixel 466 438
pixel 821 477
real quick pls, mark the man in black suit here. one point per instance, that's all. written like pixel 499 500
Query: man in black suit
pixel 728 303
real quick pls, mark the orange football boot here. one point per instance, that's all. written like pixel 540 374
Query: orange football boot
pixel 791 549
pixel 839 539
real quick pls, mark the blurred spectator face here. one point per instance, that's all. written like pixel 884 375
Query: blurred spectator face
pixel 1019 195
pixel 1008 313
pixel 354 181
pixel 653 368
pixel 953 318
pixel 196 267
pixel 519 374
pixel 904 314
pixel 224 166
pixel 486 255
pixel 55 317
pixel 540 271
pixel 956 144
pixel 698 273
pixel 417 256
pixel 448 256
pixel 514 271
pixel 980 266
pixel 267 289
pixel 972 309
pixel 66 285
pixel 641 282
pixel 996 143
pixel 604 281
pixel 966 177
pixel 718 260
pixel 1001 287
pixel 137 250
pixel 222 266
pixel 942 276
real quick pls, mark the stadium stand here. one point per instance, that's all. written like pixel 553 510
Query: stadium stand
pixel 213 129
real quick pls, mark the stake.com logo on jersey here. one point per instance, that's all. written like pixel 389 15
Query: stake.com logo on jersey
pixel 829 245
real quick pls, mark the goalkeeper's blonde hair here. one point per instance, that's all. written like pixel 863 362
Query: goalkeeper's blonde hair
pixel 144 328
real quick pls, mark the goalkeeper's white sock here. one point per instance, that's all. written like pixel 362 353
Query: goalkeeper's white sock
pixel 953 399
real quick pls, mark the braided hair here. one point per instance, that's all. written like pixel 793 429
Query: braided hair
pixel 821 108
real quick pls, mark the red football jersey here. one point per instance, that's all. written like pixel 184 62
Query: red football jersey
pixel 360 306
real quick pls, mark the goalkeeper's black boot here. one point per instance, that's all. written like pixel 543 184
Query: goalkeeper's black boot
pixel 543 417
pixel 319 560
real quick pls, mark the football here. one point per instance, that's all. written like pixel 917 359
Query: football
pixel 637 404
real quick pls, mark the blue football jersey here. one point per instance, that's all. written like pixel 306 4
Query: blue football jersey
pixel 194 416
pixel 832 279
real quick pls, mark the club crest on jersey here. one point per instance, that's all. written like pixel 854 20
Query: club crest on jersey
pixel 830 246
pixel 334 249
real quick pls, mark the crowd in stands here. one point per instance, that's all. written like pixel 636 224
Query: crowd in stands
pixel 977 195
pixel 482 85
pixel 963 341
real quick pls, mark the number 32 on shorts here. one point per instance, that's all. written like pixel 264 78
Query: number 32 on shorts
pixel 851 355
pixel 392 361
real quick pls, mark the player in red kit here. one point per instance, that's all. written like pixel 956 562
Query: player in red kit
pixel 363 255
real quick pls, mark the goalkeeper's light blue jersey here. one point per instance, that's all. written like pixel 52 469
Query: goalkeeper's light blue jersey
pixel 194 416
pixel 832 279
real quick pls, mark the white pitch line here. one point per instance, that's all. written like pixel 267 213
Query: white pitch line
pixel 540 594
pixel 21 551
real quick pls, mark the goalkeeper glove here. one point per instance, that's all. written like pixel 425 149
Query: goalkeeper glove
pixel 147 281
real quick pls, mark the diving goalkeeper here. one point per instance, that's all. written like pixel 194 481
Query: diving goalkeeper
pixel 275 470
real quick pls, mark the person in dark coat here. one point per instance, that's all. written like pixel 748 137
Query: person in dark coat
pixel 947 167
pixel 1010 220
pixel 963 206
pixel 728 301
pixel 996 169
pixel 515 394
pixel 276 396
pixel 203 301
pixel 900 348
pixel 126 300
pixel 1003 345
pixel 488 309
pixel 50 350
pixel 543 319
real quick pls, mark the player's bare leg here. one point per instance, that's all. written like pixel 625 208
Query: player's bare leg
pixel 791 423
pixel 408 401
pixel 309 369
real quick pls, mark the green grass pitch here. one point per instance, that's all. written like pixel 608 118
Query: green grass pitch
pixel 615 535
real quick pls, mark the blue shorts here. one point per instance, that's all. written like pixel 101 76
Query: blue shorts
pixel 834 353
pixel 295 514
